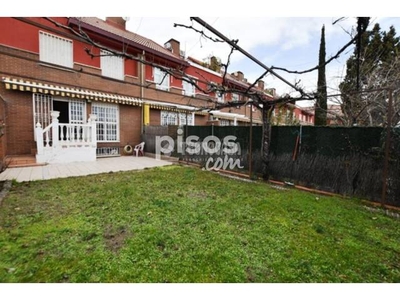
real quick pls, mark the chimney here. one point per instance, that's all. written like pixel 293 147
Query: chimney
pixel 240 75
pixel 260 84
pixel 117 22
pixel 173 46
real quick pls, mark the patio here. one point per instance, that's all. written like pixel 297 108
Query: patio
pixel 101 165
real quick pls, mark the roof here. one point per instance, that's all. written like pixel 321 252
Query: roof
pixel 245 85
pixel 137 40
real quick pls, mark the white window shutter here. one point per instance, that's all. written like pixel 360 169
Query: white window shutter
pixel 56 50
pixel 112 66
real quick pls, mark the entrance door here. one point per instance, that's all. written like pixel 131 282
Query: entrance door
pixel 63 108
pixel 71 112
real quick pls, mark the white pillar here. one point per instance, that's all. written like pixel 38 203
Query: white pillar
pixel 93 136
pixel 54 122
pixel 39 138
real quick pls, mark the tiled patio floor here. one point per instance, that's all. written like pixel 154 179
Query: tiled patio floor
pixel 101 165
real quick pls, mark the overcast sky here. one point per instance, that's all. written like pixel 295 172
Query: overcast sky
pixel 292 43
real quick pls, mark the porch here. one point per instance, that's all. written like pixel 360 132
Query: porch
pixel 62 170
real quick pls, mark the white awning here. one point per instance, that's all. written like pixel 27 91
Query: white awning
pixel 64 91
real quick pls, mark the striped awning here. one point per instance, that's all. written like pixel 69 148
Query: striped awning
pixel 58 90
pixel 174 107
pixel 233 116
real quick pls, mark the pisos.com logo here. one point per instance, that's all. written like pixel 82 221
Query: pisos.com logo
pixel 218 154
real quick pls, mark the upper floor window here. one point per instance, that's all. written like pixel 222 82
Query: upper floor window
pixel 220 96
pixel 188 89
pixel 111 65
pixel 55 49
pixel 235 97
pixel 161 78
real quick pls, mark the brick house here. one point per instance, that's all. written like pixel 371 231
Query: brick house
pixel 104 101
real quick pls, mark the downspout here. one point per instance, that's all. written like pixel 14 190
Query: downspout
pixel 142 91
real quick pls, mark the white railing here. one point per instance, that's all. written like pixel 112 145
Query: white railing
pixel 61 142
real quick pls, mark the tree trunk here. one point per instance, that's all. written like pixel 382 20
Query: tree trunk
pixel 266 139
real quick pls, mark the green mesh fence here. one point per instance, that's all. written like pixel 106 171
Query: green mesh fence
pixel 342 160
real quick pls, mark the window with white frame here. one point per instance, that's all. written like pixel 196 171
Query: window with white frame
pixel 235 97
pixel 188 89
pixel 174 118
pixel 186 119
pixel 77 111
pixel 55 49
pixel 107 122
pixel 111 65
pixel 169 118
pixel 220 96
pixel 223 122
pixel 161 79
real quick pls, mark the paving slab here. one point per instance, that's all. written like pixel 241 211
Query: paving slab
pixel 101 165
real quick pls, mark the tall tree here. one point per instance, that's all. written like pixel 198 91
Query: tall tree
pixel 321 103
pixel 376 67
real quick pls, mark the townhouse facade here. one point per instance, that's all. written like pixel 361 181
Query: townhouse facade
pixel 103 101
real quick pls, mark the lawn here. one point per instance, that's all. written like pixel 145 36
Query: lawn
pixel 181 224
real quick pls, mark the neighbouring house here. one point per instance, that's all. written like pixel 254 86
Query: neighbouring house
pixel 64 99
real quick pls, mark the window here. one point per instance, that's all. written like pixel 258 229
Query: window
pixel 235 97
pixel 161 79
pixel 189 117
pixel 188 89
pixel 224 122
pixel 174 118
pixel 220 96
pixel 77 111
pixel 56 50
pixel 169 118
pixel 111 65
pixel 107 122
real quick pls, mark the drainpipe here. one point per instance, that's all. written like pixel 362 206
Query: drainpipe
pixel 142 91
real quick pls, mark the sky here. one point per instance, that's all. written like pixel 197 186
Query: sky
pixel 289 42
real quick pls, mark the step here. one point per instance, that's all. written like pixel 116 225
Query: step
pixel 18 161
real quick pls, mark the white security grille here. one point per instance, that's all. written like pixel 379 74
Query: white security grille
pixel 189 117
pixel 107 122
pixel 169 118
pixel 56 50
pixel 111 65
pixel 174 118
pixel 107 151
pixel 224 122
pixel 42 106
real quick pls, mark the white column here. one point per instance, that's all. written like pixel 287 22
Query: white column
pixel 39 138
pixel 93 135
pixel 54 122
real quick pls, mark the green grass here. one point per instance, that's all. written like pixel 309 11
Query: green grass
pixel 181 224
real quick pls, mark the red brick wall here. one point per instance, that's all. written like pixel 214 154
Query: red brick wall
pixel 19 122
pixel 200 120
pixel 155 117
pixel 3 135
pixel 129 119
